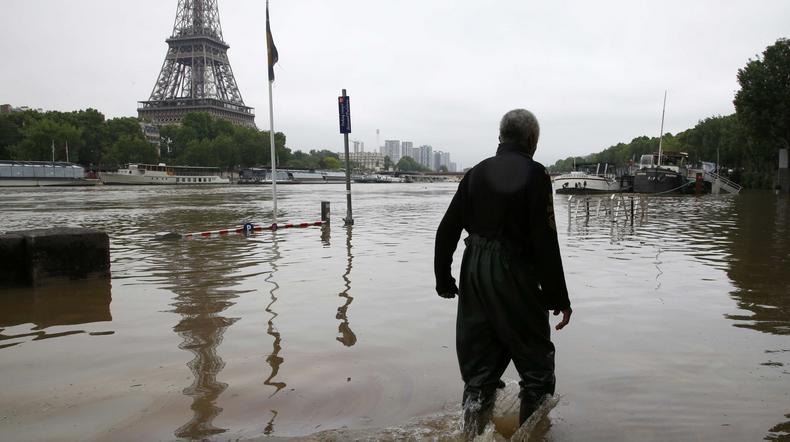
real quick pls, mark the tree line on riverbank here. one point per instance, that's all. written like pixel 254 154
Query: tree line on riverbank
pixel 747 141
pixel 200 140
pixel 98 143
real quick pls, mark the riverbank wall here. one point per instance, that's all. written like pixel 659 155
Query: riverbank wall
pixel 36 257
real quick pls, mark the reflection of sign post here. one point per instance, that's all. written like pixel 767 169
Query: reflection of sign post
pixel 344 108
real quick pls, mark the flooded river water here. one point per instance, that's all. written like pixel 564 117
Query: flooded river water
pixel 681 325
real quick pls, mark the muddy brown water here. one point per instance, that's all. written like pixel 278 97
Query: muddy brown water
pixel 681 325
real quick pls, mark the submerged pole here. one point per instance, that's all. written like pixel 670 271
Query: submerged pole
pixel 271 54
pixel 344 105
pixel 325 211
pixel 274 156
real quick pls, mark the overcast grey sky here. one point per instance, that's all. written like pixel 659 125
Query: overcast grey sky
pixel 438 72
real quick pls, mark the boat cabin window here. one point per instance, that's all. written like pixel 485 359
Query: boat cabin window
pixel 646 161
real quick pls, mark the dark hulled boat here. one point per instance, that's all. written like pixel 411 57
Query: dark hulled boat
pixel 661 173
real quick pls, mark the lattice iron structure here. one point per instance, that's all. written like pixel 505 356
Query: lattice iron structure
pixel 196 75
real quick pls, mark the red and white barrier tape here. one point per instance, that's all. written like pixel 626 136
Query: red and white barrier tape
pixel 246 229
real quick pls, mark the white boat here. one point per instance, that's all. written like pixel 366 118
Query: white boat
pixel 588 178
pixel 303 176
pixel 257 175
pixel 161 174
pixel 376 178
pixel 42 173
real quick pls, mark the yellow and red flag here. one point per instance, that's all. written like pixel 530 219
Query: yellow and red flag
pixel 271 49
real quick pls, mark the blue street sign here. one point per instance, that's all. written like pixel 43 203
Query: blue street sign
pixel 344 108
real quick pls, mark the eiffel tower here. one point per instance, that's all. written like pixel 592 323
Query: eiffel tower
pixel 196 75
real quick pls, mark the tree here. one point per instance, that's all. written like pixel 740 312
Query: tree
pixel 331 163
pixel 282 153
pixel 95 134
pixel 408 164
pixel 131 150
pixel 10 135
pixel 39 138
pixel 763 103
pixel 763 108
pixel 715 137
pixel 387 163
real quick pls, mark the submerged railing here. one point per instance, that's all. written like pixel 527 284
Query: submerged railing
pixel 617 207
pixel 726 185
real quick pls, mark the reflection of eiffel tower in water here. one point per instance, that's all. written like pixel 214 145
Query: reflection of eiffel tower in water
pixel 347 337
pixel 273 359
pixel 202 328
pixel 201 298
pixel 196 74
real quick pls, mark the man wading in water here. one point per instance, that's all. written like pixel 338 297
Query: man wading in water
pixel 511 273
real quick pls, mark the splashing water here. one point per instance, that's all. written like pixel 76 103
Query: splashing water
pixel 447 426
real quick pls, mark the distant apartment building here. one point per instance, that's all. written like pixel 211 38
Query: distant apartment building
pixel 425 156
pixel 364 160
pixel 442 159
pixel 5 108
pixel 151 134
pixel 392 149
pixel 407 149
pixel 359 146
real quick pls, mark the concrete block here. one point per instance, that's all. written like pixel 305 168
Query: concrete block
pixel 13 270
pixel 784 173
pixel 54 254
pixel 67 252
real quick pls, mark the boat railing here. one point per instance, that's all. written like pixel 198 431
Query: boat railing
pixel 726 184
pixel 614 209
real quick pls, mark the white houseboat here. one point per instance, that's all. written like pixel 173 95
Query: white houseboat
pixel 42 173
pixel 588 178
pixel 161 174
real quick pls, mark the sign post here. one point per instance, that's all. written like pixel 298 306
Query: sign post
pixel 344 109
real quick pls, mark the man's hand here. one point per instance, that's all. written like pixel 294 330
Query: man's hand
pixel 451 291
pixel 566 318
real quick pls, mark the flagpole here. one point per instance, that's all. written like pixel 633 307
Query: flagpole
pixel 271 123
pixel 274 158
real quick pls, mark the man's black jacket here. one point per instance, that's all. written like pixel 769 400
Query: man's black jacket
pixel 508 198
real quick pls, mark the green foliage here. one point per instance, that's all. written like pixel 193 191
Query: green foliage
pixel 331 163
pixel 763 108
pixel 124 127
pixel 94 141
pixel 763 103
pixel 39 136
pixel 131 150
pixel 315 159
pixel 408 164
pixel 29 135
pixel 715 137
pixel 204 141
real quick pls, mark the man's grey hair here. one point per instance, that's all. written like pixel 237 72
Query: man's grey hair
pixel 520 126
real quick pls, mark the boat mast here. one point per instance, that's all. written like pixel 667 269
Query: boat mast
pixel 661 134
